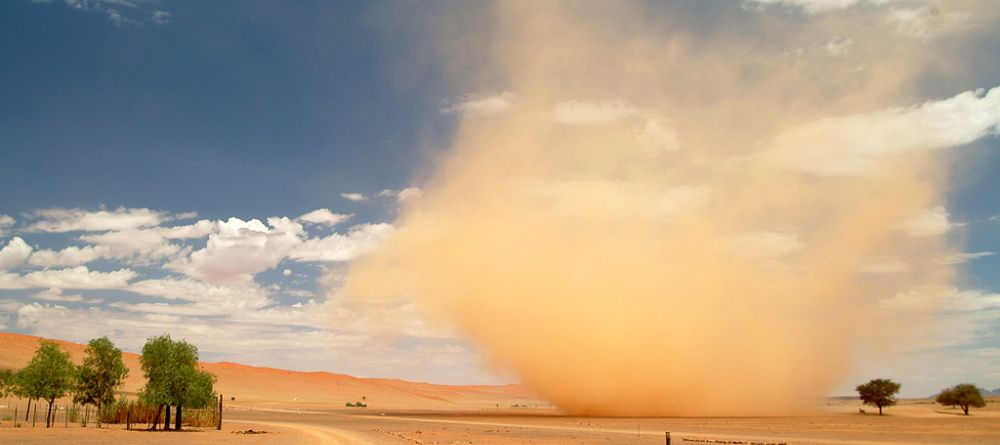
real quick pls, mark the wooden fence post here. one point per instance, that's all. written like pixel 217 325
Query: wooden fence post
pixel 667 437
pixel 219 425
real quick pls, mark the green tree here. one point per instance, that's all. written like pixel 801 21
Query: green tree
pixel 6 383
pixel 101 373
pixel 49 376
pixel 879 393
pixel 965 395
pixel 173 379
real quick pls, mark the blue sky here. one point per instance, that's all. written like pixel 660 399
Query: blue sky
pixel 154 133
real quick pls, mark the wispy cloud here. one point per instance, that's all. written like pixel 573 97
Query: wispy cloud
pixel 119 12
pixel 484 105
pixel 858 144
pixel 352 196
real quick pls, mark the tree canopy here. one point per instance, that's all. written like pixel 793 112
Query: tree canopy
pixel 49 375
pixel 964 395
pixel 879 393
pixel 6 382
pixel 101 373
pixel 172 376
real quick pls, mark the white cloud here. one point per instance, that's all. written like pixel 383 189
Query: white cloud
pixel 964 257
pixel 5 222
pixel 160 17
pixel 14 253
pixel 932 222
pixel 120 12
pixel 324 217
pixel 73 220
pixel 133 246
pixel 818 6
pixel 201 292
pixel 240 249
pixel 354 196
pixel 403 195
pixel 858 144
pixel 56 294
pixel 583 113
pixel 481 105
pixel 72 278
pixel 948 299
pixel 408 194
pixel 359 240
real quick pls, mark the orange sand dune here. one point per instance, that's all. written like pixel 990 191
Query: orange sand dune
pixel 278 387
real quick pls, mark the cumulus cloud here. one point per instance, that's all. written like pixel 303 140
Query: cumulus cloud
pixel 240 249
pixel 360 239
pixel 481 105
pixel 354 196
pixel 79 277
pixel 858 144
pixel 404 195
pixel 5 222
pixel 56 294
pixel 133 246
pixel 73 220
pixel 931 222
pixel 15 252
pixel 324 217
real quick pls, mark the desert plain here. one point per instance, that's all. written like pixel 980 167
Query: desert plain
pixel 291 407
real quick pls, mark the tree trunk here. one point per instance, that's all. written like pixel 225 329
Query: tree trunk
pixel 98 415
pixel 156 420
pixel 27 411
pixel 177 421
pixel 965 409
pixel 48 415
pixel 166 422
pixel 880 410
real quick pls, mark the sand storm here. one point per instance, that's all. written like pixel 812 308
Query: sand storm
pixel 636 221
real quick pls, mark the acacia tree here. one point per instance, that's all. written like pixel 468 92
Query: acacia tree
pixel 49 376
pixel 879 393
pixel 173 379
pixel 965 395
pixel 101 373
pixel 6 384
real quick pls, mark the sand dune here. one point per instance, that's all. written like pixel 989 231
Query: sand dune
pixel 283 388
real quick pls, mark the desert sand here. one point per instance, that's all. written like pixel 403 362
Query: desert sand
pixel 308 407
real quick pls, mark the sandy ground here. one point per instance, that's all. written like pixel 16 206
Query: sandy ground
pixel 839 422
pixel 308 408
pixel 916 424
pixel 116 434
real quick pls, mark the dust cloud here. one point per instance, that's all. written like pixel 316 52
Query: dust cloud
pixel 653 212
